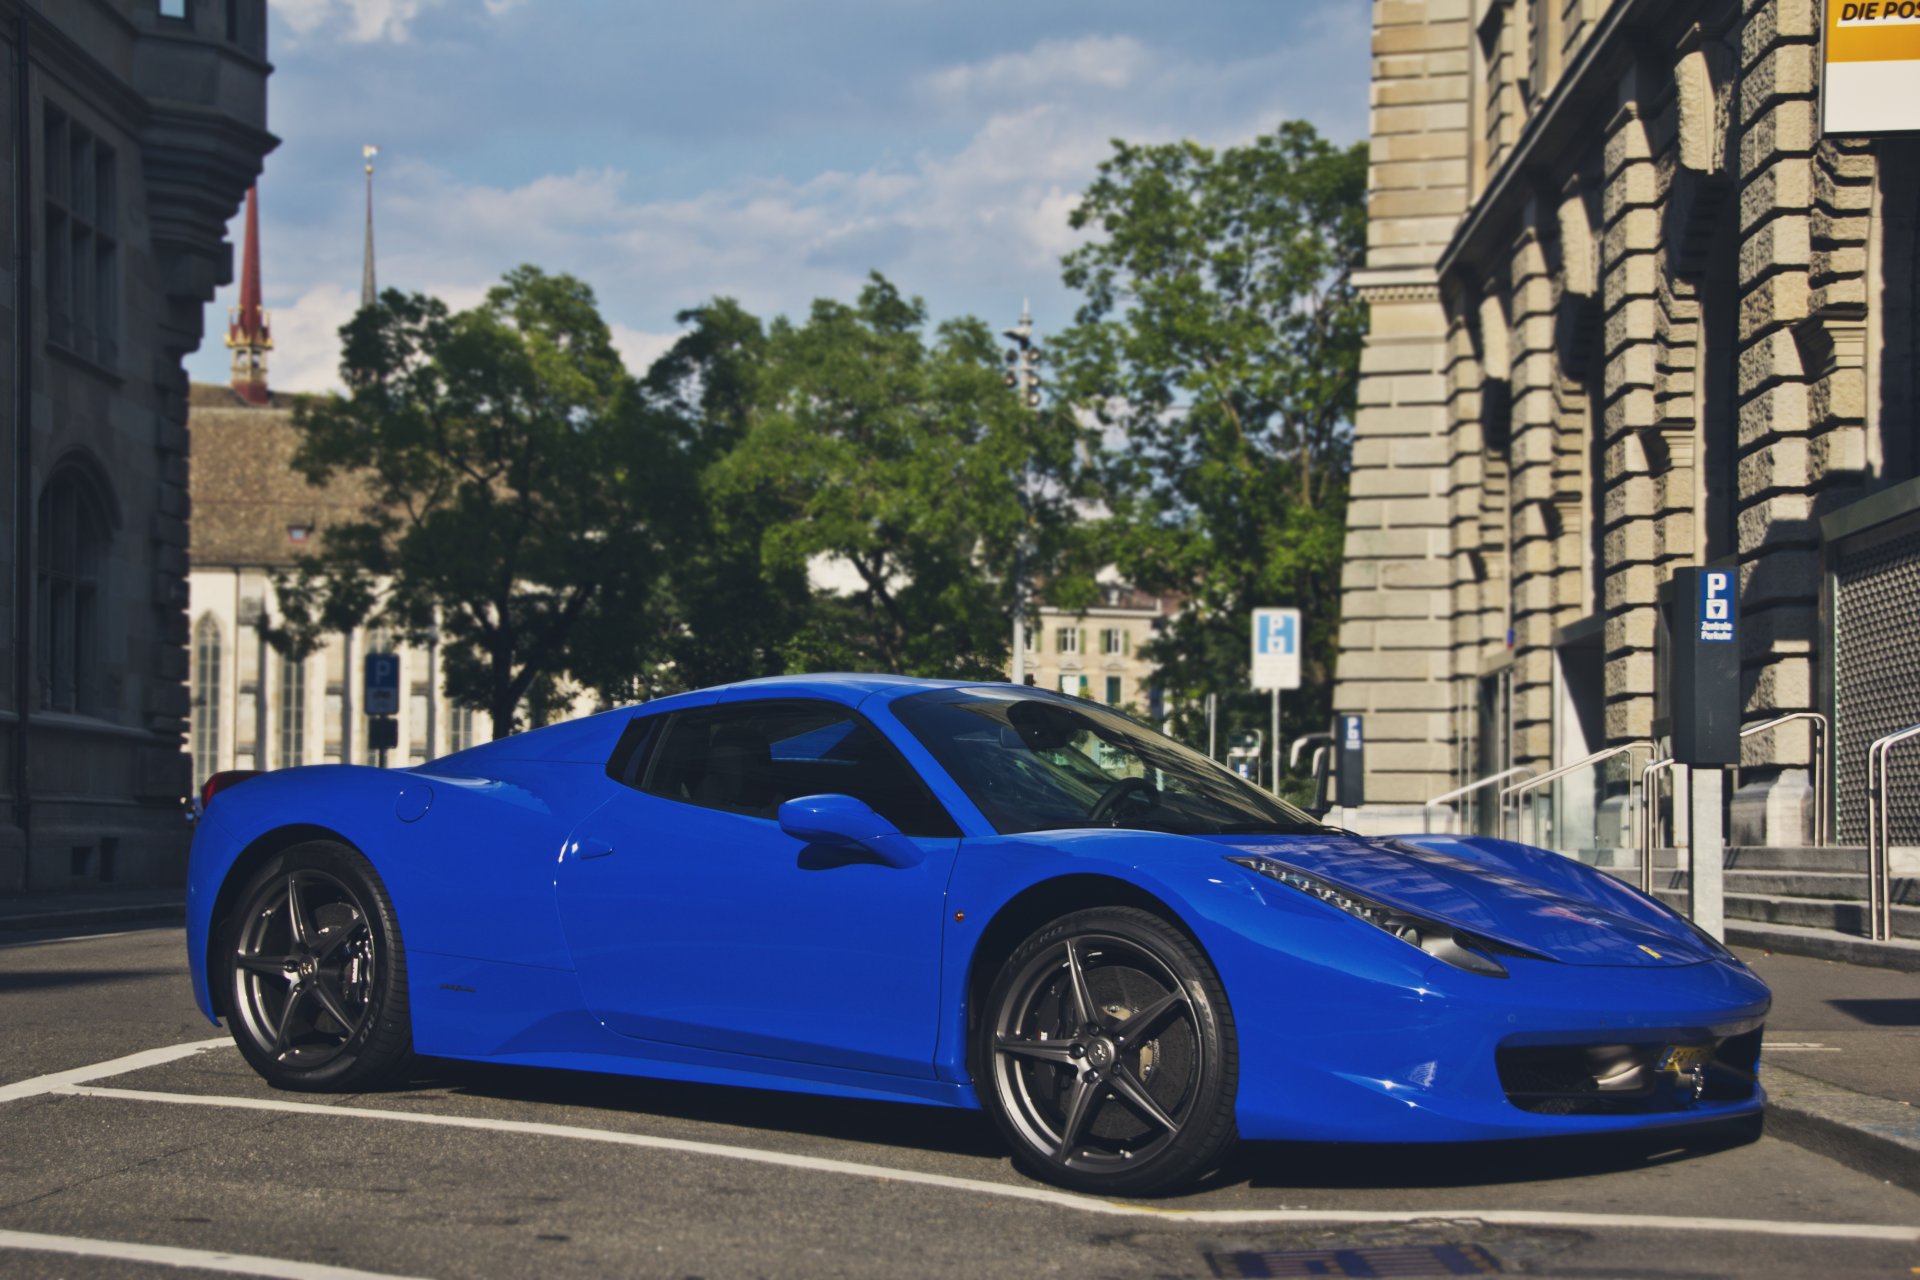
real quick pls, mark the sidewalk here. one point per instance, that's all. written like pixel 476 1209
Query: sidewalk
pixel 1842 1061
pixel 34 913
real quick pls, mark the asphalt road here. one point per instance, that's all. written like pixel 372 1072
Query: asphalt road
pixel 475 1171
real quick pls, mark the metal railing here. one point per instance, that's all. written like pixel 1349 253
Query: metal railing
pixel 1500 826
pixel 1650 819
pixel 1822 801
pixel 1880 835
pixel 1516 795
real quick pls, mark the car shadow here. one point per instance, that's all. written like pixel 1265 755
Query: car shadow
pixel 1409 1166
pixel 892 1124
pixel 1278 1165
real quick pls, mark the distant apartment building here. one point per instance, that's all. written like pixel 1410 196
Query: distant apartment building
pixel 135 128
pixel 1631 310
pixel 1097 654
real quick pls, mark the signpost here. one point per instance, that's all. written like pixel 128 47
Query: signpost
pixel 1704 697
pixel 1276 664
pixel 1872 59
pixel 380 695
pixel 1350 776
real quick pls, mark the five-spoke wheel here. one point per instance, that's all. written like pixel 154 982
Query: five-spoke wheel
pixel 316 988
pixel 1108 1050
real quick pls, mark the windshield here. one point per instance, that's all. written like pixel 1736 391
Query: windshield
pixel 1039 764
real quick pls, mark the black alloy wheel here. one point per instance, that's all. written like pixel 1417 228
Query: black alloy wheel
pixel 317 974
pixel 1108 1054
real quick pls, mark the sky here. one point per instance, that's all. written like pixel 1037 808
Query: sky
pixel 773 151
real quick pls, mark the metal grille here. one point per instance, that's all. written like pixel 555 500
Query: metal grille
pixel 1876 683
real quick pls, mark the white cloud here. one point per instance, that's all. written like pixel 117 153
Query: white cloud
pixel 639 348
pixel 1050 69
pixel 366 21
pixel 306 339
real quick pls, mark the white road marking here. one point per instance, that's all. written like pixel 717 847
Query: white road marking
pixel 85 937
pixel 1032 1194
pixel 102 1070
pixel 240 1264
pixel 1793 1046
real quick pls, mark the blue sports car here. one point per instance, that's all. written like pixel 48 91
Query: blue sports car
pixel 963 895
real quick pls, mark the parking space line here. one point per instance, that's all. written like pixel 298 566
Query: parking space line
pixel 1032 1194
pixel 103 1070
pixel 241 1264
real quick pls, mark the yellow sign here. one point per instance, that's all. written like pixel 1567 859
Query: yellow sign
pixel 1873 65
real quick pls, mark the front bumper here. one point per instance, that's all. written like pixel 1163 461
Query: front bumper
pixel 1379 1061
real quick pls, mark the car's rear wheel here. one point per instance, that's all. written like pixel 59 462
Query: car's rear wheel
pixel 316 972
pixel 1106 1054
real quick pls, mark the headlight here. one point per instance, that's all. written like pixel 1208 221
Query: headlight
pixel 1442 942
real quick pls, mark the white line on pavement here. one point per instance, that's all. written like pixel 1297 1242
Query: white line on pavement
pixel 1790 1046
pixel 102 1070
pixel 242 1264
pixel 1041 1195
pixel 84 937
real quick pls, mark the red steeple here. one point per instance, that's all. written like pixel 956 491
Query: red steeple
pixel 249 335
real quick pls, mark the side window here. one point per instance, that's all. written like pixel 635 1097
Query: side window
pixel 750 758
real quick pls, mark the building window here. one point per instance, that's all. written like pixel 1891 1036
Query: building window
pixel 82 251
pixel 293 713
pixel 459 728
pixel 417 745
pixel 176 9
pixel 1026 638
pixel 206 698
pixel 1075 685
pixel 1067 639
pixel 1113 691
pixel 1113 641
pixel 73 548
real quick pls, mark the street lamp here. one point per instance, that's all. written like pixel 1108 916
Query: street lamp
pixel 1023 375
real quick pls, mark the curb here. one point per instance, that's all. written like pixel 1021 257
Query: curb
pixel 1877 1136
pixel 167 912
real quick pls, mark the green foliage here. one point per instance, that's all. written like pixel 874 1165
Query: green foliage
pixel 904 458
pixel 1218 343
pixel 517 492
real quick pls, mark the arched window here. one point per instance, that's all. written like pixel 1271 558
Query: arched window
pixel 459 728
pixel 74 533
pixel 293 713
pixel 206 698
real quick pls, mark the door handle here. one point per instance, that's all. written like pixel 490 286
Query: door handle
pixel 591 847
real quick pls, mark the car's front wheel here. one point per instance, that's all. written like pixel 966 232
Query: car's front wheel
pixel 316 972
pixel 1107 1056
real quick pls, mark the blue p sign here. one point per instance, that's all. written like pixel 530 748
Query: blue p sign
pixel 1716 606
pixel 1276 633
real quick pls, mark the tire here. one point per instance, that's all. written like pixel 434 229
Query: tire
pixel 1128 1086
pixel 321 1007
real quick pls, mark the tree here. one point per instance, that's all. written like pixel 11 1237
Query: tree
pixel 1218 345
pixel 897 459
pixel 515 488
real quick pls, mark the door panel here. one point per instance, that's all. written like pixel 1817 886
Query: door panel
pixel 695 925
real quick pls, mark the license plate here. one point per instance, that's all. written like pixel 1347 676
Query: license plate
pixel 1683 1059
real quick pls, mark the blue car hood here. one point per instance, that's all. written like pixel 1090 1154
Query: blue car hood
pixel 1526 898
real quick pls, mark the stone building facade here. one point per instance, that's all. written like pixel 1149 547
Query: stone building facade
pixel 253 707
pixel 135 127
pixel 1631 311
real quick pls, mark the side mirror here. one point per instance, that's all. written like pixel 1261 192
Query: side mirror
pixel 846 823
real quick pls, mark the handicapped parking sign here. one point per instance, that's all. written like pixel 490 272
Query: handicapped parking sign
pixel 1276 648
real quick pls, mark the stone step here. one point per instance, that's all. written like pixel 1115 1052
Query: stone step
pixel 1825 944
pixel 1757 858
pixel 1844 886
pixel 1848 918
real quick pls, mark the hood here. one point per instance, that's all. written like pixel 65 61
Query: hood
pixel 1503 892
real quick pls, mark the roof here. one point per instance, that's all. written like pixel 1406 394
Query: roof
pixel 245 493
pixel 847 684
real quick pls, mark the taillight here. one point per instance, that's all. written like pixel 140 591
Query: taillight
pixel 220 782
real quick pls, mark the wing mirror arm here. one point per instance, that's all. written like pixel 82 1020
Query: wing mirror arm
pixel 846 823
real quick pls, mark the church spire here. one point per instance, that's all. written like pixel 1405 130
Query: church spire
pixel 249 335
pixel 368 293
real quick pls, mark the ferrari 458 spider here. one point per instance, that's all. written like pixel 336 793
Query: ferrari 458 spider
pixel 962 895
